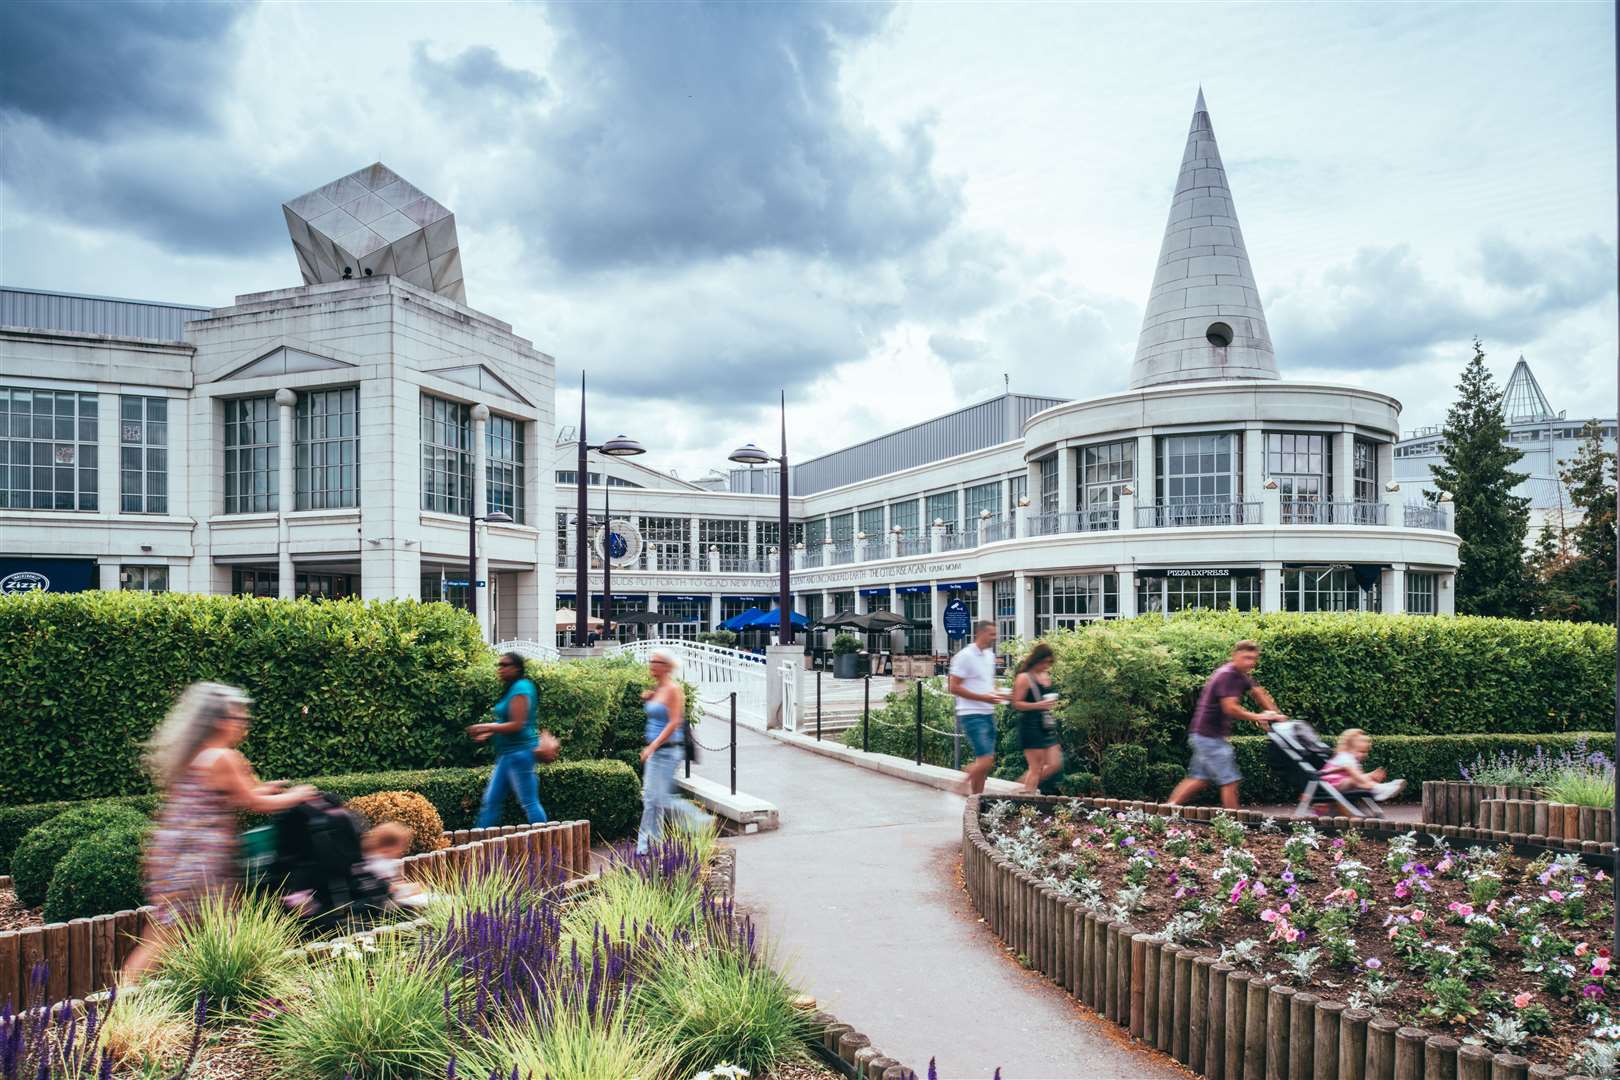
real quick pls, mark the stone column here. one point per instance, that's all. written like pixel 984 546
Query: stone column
pixel 714 611
pixel 1445 600
pixel 1344 467
pixel 1254 465
pixel 1032 485
pixel 110 459
pixel 107 575
pixel 1270 507
pixel 861 607
pixel 860 547
pixel 285 493
pixel 936 538
pixel 1068 481
pixel 1127 591
pixel 936 618
pixel 1271 598
pixel 894 545
pixel 480 502
pixel 1023 605
pixel 1146 463
pixel 697 561
pixel 712 560
pixel 753 538
pixel 1392 589
pixel 1394 504
pixel 1127 508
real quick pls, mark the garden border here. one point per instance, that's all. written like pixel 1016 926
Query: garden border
pixel 85 955
pixel 1184 1004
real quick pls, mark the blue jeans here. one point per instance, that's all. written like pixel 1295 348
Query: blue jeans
pixel 980 729
pixel 658 796
pixel 514 772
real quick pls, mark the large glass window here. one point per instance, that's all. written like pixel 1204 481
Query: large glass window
pixel 942 507
pixel 730 536
pixel 765 536
pixel 47 450
pixel 1069 599
pixel 842 528
pixel 1422 591
pixel 688 615
pixel 1049 485
pixel 565 532
pixel 252 456
pixel 872 525
pixel 811 603
pixel 143 454
pixel 918 607
pixel 1302 465
pixel 1006 600
pixel 671 538
pixel 1199 469
pixel 327 452
pixel 444 588
pixel 1105 468
pixel 1326 589
pixel 1017 488
pixel 815 531
pixel 1168 595
pixel 143 578
pixel 446 456
pixel 503 466
pixel 264 581
pixel 1366 454
pixel 904 514
pixel 978 499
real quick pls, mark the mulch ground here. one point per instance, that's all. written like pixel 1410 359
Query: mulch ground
pixel 13 916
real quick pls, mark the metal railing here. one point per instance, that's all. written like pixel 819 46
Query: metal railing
pixel 533 650
pixel 1003 528
pixel 1197 514
pixel 713 669
pixel 811 555
pixel 841 552
pixel 1327 512
pixel 959 541
pixel 1423 516
pixel 913 545
pixel 1100 519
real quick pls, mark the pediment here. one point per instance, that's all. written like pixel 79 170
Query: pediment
pixel 480 377
pixel 285 360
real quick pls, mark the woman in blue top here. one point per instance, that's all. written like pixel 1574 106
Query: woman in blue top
pixel 516 734
pixel 665 706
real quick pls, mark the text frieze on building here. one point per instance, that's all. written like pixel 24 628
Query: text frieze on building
pixel 898 572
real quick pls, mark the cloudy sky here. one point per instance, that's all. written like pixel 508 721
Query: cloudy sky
pixel 883 210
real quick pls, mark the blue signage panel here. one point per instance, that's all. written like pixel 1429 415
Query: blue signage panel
pixel 957 620
pixel 47 575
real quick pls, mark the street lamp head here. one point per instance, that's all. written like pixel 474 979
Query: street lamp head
pixel 622 446
pixel 498 517
pixel 749 454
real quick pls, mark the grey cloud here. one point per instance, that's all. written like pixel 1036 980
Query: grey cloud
pixel 88 68
pixel 1382 310
pixel 473 78
pixel 689 132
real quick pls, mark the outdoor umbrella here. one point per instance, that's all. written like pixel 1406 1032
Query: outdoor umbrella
pixel 567 618
pixel 842 618
pixel 740 622
pixel 880 620
pixel 764 620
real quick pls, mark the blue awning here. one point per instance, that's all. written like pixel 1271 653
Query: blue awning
pixel 741 621
pixel 764 620
pixel 958 586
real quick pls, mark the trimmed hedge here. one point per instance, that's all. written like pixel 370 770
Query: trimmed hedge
pixel 606 793
pixel 102 873
pixel 48 843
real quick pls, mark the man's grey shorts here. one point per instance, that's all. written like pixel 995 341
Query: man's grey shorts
pixel 1212 760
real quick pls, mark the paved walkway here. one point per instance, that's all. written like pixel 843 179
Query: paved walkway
pixel 859 892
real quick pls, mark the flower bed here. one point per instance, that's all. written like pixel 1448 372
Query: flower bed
pixel 1480 944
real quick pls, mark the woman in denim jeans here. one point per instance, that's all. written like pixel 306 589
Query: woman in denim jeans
pixel 516 734
pixel 665 706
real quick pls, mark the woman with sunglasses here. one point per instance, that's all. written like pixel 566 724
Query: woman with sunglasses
pixel 516 733
pixel 666 734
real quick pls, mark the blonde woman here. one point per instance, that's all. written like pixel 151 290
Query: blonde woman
pixel 192 852
pixel 666 734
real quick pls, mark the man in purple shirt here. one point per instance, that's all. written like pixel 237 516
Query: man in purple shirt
pixel 1213 761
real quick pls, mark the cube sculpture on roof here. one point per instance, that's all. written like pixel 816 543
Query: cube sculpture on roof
pixel 373 220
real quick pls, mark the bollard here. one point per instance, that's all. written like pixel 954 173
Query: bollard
pixel 1215 1023
pixel 1235 1023
pixel 1150 994
pixel 866 714
pixel 1302 1037
pixel 734 742
pixel 1440 1058
pixel 1165 1039
pixel 1473 1063
pixel 818 704
pixel 1277 1003
pixel 1183 1005
pixel 919 721
pixel 1509 1067
pixel 1198 1013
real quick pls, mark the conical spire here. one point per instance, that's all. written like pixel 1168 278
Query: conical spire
pixel 1522 401
pixel 1203 317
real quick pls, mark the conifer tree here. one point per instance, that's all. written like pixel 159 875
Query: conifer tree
pixel 1587 575
pixel 1476 468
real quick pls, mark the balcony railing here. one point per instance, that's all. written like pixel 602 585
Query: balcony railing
pixel 992 531
pixel 1326 512
pixel 1423 516
pixel 1197 514
pixel 811 555
pixel 841 553
pixel 959 541
pixel 912 545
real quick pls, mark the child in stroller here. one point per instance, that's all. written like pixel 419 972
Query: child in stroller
pixel 320 866
pixel 1296 750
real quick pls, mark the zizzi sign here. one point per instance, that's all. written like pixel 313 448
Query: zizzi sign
pixel 46 575
pixel 24 581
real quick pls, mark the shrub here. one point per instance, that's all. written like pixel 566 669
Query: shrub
pixel 1080 783
pixel 724 638
pixel 48 843
pixel 1162 777
pixel 1125 772
pixel 1116 685
pixel 100 874
pixel 408 809
pixel 17 822
pixel 844 644
pixel 337 686
pixel 893 729
pixel 232 951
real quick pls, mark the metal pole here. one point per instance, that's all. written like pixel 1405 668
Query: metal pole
pixel 582 558
pixel 866 713
pixel 919 721
pixel 785 634
pixel 734 742
pixel 818 704
pixel 607 557
pixel 472 556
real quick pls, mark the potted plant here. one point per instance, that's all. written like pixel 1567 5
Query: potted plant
pixel 846 650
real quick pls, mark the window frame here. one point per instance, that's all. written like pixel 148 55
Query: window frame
pixel 254 488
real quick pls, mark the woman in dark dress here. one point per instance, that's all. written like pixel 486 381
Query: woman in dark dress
pixel 1034 700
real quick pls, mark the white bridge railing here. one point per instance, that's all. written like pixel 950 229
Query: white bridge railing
pixel 533 650
pixel 715 671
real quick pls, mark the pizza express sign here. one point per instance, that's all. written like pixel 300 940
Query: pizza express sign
pixel 46 575
pixel 1201 572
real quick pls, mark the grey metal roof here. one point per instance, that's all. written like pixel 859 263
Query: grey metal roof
pixel 37 309
pixel 976 427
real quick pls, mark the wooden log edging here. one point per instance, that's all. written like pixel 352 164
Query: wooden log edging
pixel 1563 821
pixel 1456 802
pixel 851 1053
pixel 1221 1023
pixel 85 955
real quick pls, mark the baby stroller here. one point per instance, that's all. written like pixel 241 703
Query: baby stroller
pixel 317 851
pixel 1296 750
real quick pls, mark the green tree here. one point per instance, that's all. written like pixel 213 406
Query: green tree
pixel 1578 583
pixel 1491 521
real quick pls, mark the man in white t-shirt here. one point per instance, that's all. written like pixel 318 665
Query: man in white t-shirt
pixel 973 684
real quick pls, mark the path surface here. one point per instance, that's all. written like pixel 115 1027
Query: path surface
pixel 859 892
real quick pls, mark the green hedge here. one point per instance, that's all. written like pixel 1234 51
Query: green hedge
pixel 48 843
pixel 102 873
pixel 606 793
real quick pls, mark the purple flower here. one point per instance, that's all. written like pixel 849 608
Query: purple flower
pixel 1592 990
pixel 1373 963
pixel 1288 876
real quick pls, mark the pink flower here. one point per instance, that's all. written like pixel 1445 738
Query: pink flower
pixel 1600 966
pixel 1076 842
pixel 1580 950
pixel 1258 889
pixel 1462 910
pixel 1417 916
pixel 1402 890
pixel 1523 999
pixel 1555 896
pixel 1490 908
pixel 1291 935
pixel 1285 909
pixel 1600 876
pixel 1268 916
pixel 1443 865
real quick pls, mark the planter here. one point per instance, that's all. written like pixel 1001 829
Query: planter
pixel 847 666
pixel 1455 802
pixel 1537 817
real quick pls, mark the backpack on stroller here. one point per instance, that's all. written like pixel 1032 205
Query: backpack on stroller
pixel 1295 750
pixel 317 845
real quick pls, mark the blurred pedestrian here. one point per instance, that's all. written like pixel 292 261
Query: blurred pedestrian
pixel 516 734
pixel 973 683
pixel 1220 702
pixel 1033 699
pixel 666 735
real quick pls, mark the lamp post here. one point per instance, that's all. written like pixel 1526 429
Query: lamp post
pixel 622 446
pixel 473 518
pixel 750 454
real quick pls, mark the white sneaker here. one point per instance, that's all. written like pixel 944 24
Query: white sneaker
pixel 1388 790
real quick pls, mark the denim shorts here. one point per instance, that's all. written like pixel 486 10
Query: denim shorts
pixel 980 729
pixel 1212 760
